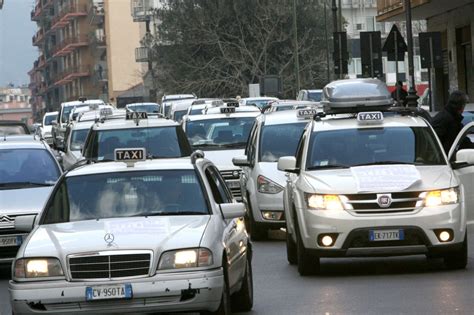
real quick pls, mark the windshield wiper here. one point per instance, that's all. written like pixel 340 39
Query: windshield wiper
pixel 321 167
pixel 154 214
pixel 387 162
pixel 24 184
pixel 234 145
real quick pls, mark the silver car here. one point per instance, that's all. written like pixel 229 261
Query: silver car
pixel 28 171
pixel 136 236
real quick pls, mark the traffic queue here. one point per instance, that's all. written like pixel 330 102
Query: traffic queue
pixel 156 205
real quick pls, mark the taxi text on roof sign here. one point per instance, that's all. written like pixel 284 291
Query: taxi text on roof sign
pixel 227 110
pixel 306 113
pixel 369 117
pixel 130 155
pixel 136 115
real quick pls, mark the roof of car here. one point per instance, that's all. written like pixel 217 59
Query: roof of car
pixel 148 165
pixel 127 124
pixel 21 142
pixel 51 114
pixel 345 121
pixel 86 102
pixel 219 115
pixel 142 104
pixel 80 125
pixel 283 117
pixel 293 102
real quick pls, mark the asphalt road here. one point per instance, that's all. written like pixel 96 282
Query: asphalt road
pixel 401 285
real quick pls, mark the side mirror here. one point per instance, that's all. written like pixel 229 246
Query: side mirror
pixel 233 210
pixel 25 223
pixel 287 164
pixel 465 157
pixel 241 161
pixel 60 145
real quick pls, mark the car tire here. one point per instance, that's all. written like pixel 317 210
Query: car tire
pixel 458 259
pixel 257 233
pixel 308 264
pixel 242 300
pixel 225 304
pixel 291 251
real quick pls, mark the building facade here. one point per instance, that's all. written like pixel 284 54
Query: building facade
pixel 454 19
pixel 79 51
pixel 15 104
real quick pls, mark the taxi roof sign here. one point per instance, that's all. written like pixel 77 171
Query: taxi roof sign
pixel 227 110
pixel 130 155
pixel 369 117
pixel 306 113
pixel 136 115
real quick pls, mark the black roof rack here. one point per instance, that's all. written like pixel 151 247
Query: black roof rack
pixel 403 111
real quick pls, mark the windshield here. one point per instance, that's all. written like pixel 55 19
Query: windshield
pixel 49 119
pixel 196 111
pixel 67 110
pixel 288 136
pixel 159 142
pixel 315 96
pixel 20 168
pixel 12 130
pixel 354 147
pixel 126 194
pixel 259 103
pixel 78 137
pixel 149 108
pixel 178 115
pixel 286 107
pixel 219 133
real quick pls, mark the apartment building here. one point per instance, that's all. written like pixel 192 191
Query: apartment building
pixel 361 16
pixel 86 49
pixel 14 104
pixel 454 19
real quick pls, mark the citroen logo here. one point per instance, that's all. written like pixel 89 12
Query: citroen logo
pixel 6 221
pixel 109 239
pixel 384 201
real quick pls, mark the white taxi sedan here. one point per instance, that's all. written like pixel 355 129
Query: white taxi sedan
pixel 136 236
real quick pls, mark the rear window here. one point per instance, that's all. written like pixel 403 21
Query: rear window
pixel 159 142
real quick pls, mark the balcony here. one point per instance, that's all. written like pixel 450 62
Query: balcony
pixel 393 10
pixel 38 37
pixel 68 45
pixel 96 12
pixel 70 74
pixel 67 14
pixel 142 10
pixel 141 54
pixel 98 39
pixel 101 74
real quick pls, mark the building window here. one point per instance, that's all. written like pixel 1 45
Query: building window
pixel 370 22
pixel 359 26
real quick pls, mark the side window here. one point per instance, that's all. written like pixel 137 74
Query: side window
pixel 299 150
pixel 219 189
pixel 252 145
pixel 251 136
pixel 465 142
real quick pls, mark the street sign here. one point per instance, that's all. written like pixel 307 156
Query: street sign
pixel 431 52
pixel 395 45
pixel 371 54
pixel 340 55
pixel 270 85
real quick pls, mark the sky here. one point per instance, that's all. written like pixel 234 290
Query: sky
pixel 17 54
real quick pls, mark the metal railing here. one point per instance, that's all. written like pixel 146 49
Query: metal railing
pixel 141 9
pixel 141 54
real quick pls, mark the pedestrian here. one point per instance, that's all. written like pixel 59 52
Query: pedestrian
pixel 448 123
pixel 400 94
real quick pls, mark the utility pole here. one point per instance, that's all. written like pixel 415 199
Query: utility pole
pixel 296 52
pixel 339 16
pixel 412 97
pixel 326 38
pixel 334 16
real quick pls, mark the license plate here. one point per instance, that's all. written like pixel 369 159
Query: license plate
pixel 235 184
pixel 6 241
pixel 106 292
pixel 386 235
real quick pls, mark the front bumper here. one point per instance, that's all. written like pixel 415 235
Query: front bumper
pixel 353 232
pixel 267 202
pixel 173 292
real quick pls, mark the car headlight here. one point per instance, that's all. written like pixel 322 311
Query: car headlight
pixel 267 186
pixel 186 258
pixel 30 268
pixel 324 202
pixel 441 197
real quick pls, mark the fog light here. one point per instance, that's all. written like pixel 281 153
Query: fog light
pixel 444 235
pixel 327 240
pixel 272 215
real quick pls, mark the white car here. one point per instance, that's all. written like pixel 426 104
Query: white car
pixel 260 101
pixel 289 105
pixel 59 126
pixel 28 172
pixel 150 108
pixel 167 100
pixel 314 95
pixel 222 133
pixel 274 135
pixel 135 236
pixel 376 183
pixel 47 126
pixel 76 134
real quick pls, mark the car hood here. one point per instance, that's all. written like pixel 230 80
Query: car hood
pixel 23 201
pixel 223 158
pixel 343 181
pixel 270 171
pixel 147 233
